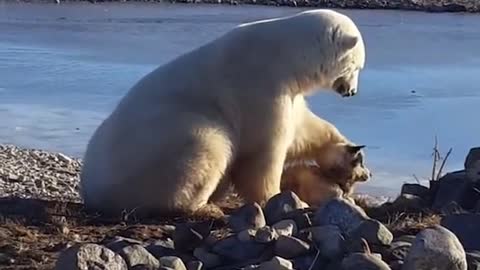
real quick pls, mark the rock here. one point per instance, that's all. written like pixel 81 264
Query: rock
pixel 119 242
pixel 436 248
pixel 138 255
pixel 161 248
pixel 396 265
pixel 266 235
pixel 455 187
pixel 399 250
pixel 234 249
pixel 408 202
pixel 363 261
pixel 473 260
pixel 83 256
pixel 473 171
pixel 374 232
pixel 280 205
pixel 172 262
pixel 309 261
pixel 249 216
pixel 465 227
pixel 276 263
pixel 416 190
pixel 472 157
pixel 341 213
pixel 187 237
pixel 329 240
pixel 207 258
pixel 195 265
pixel 143 267
pixel 286 227
pixel 452 208
pixel 301 218
pixel 289 247
pixel 246 235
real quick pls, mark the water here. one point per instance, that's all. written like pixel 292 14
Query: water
pixel 64 67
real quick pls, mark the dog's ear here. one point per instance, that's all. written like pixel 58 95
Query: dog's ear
pixel 353 149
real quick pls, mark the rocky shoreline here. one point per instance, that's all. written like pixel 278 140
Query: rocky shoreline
pixel 469 6
pixel 43 225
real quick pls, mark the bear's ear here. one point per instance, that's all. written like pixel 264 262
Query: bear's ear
pixel 347 42
pixel 342 40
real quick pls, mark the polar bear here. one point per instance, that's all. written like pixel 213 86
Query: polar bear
pixel 337 166
pixel 231 110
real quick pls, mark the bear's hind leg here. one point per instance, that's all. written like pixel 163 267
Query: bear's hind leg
pixel 209 154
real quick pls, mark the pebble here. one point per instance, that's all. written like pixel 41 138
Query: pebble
pixel 436 248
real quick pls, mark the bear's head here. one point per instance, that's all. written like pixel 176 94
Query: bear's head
pixel 337 55
pixel 344 164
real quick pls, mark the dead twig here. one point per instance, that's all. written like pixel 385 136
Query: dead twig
pixel 443 163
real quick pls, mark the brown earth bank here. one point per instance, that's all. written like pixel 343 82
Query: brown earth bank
pixel 471 6
pixel 43 225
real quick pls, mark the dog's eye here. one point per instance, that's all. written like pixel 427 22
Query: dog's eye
pixel 357 160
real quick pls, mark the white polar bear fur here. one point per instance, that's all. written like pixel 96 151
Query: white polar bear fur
pixel 229 111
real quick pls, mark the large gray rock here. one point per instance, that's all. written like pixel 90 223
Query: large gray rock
pixel 341 213
pixel 249 216
pixel 455 187
pixel 138 255
pixel 416 190
pixel 280 205
pixel 329 240
pixel 87 256
pixel 466 228
pixel 472 156
pixel 363 261
pixel 374 232
pixel 473 260
pixel 436 248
